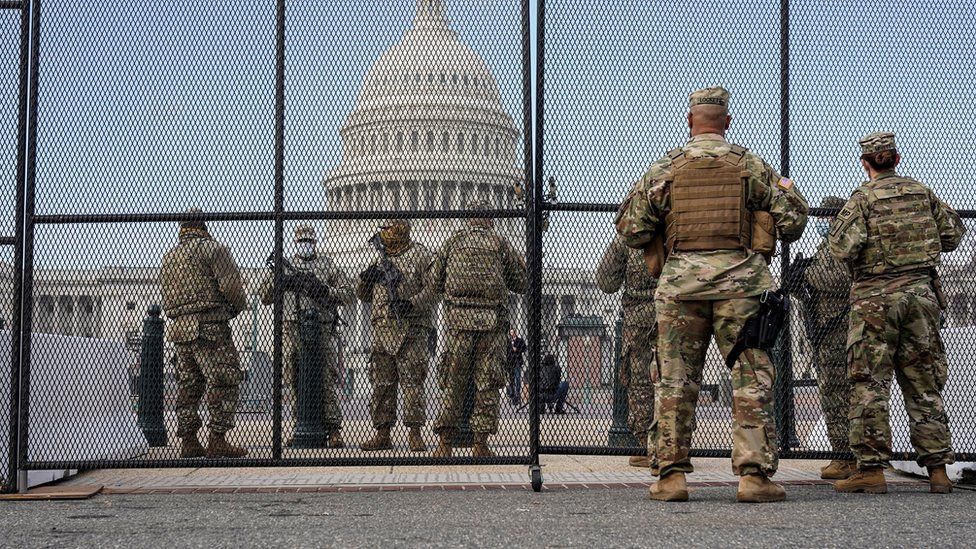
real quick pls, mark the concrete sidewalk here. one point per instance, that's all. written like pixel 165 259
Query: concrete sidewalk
pixel 559 472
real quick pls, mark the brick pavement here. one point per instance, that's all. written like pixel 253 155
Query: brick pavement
pixel 559 473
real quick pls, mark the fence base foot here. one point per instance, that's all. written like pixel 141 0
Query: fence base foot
pixel 535 475
pixel 21 481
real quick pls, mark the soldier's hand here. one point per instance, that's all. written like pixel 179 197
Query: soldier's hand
pixel 402 307
pixel 371 275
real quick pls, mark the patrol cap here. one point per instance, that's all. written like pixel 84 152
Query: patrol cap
pixel 195 224
pixel 877 142
pixel 304 233
pixel 392 221
pixel 716 95
pixel 479 204
pixel 832 202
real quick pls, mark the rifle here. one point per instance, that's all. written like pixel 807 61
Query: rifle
pixel 390 276
pixel 302 282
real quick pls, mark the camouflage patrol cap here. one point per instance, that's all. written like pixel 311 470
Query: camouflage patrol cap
pixel 480 204
pixel 193 224
pixel 877 142
pixel 716 95
pixel 391 221
pixel 832 202
pixel 304 232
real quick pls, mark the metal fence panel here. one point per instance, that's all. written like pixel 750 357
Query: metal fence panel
pixel 272 120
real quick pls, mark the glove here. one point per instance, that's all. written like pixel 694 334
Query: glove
pixel 402 307
pixel 371 275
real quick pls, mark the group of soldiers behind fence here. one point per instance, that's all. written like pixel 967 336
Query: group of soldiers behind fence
pixel 473 273
pixel 695 236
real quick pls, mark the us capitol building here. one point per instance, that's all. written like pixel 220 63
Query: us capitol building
pixel 429 132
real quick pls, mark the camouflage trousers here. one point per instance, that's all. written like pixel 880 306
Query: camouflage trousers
pixel 407 368
pixel 332 414
pixel 684 331
pixel 472 357
pixel 638 355
pixel 830 361
pixel 210 366
pixel 898 335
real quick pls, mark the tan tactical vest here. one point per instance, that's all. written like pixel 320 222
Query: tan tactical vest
pixel 474 269
pixel 902 233
pixel 708 203
pixel 188 283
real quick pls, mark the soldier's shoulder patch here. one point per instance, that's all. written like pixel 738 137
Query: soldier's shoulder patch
pixel 785 183
pixel 656 187
pixel 846 213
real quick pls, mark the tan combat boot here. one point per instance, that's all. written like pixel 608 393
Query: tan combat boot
pixel 671 487
pixel 939 482
pixel 218 447
pixel 335 440
pixel 190 447
pixel 869 481
pixel 759 489
pixel 641 460
pixel 444 448
pixel 415 440
pixel 380 441
pixel 480 446
pixel 838 469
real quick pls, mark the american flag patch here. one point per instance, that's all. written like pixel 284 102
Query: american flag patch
pixel 785 184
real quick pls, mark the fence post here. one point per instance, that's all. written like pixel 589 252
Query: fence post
pixel 151 379
pixel 620 434
pixel 309 410
pixel 465 436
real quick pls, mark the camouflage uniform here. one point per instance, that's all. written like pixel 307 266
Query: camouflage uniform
pixel 622 266
pixel 475 269
pixel 293 302
pixel 891 233
pixel 202 290
pixel 829 344
pixel 399 353
pixel 711 292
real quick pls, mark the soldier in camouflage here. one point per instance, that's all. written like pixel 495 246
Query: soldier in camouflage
pixel 624 267
pixel 202 291
pixel 327 291
pixel 475 270
pixel 825 309
pixel 892 233
pixel 400 335
pixel 720 208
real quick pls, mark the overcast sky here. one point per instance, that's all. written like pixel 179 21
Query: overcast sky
pixel 156 105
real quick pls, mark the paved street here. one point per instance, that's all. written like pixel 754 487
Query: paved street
pixel 813 516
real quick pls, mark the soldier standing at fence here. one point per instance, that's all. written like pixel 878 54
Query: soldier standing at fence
pixel 623 266
pixel 825 309
pixel 202 290
pixel 892 233
pixel 719 207
pixel 311 280
pixel 475 269
pixel 400 334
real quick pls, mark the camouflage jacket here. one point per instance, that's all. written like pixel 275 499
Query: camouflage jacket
pixel 717 274
pixel 341 292
pixel 200 282
pixel 623 266
pixel 414 262
pixel 850 235
pixel 831 280
pixel 475 292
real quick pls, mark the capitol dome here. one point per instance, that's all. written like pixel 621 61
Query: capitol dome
pixel 429 131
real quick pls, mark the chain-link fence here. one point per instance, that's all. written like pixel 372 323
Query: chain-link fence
pixel 807 80
pixel 419 214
